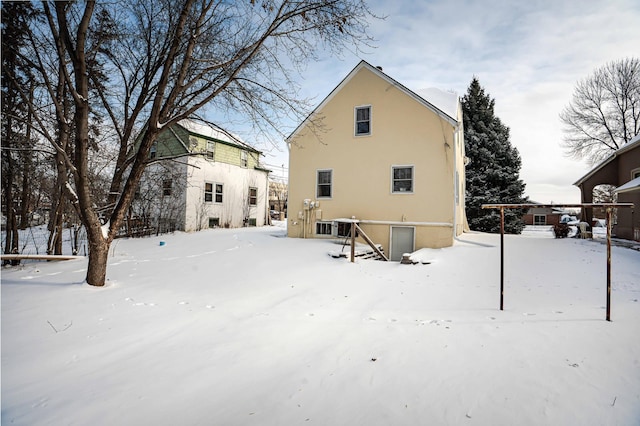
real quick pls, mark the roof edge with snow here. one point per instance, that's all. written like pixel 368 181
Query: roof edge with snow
pixel 630 145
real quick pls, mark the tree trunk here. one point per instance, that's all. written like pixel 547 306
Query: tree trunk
pixel 25 197
pixel 56 220
pixel 98 254
pixel 11 242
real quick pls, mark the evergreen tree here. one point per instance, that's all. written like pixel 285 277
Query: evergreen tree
pixel 494 168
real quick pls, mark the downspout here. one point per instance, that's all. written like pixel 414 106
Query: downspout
pixel 456 185
pixel 267 218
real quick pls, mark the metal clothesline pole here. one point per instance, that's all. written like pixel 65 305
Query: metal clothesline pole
pixel 607 206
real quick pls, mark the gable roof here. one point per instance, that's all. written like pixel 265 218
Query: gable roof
pixel 444 104
pixel 632 144
pixel 211 131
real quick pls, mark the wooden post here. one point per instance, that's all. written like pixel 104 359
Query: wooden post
pixel 353 242
pixel 609 264
pixel 501 258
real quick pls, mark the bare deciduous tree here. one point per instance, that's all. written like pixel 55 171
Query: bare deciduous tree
pixel 604 113
pixel 147 65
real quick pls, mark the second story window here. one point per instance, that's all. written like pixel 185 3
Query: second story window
pixel 153 152
pixel 166 187
pixel 402 179
pixel 363 120
pixel 325 181
pixel 253 196
pixel 244 162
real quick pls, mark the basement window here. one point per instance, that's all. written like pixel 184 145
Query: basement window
pixel 323 228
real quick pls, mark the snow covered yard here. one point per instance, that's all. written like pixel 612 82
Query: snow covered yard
pixel 245 327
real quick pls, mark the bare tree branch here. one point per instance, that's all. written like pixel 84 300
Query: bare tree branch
pixel 604 113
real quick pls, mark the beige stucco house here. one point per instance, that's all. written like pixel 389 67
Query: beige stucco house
pixel 390 157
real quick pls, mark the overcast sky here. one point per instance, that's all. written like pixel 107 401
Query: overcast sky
pixel 528 56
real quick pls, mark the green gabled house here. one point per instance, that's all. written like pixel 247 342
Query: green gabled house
pixel 205 177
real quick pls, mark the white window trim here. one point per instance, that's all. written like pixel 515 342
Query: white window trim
pixel 213 192
pixel 539 215
pixel 215 184
pixel 635 172
pixel 413 178
pixel 317 183
pixel 212 151
pixel 249 196
pixel 324 223
pixel 355 121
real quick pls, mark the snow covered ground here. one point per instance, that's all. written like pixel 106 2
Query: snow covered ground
pixel 247 327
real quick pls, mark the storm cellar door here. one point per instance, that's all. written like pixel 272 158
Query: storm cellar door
pixel 402 239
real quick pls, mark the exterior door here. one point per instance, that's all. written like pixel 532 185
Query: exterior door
pixel 402 239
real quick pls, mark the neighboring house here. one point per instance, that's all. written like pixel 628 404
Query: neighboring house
pixel 278 194
pixel 205 178
pixel 543 215
pixel 387 156
pixel 620 169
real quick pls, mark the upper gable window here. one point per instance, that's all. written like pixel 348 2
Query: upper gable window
pixel 363 120
pixel 244 159
pixel 211 149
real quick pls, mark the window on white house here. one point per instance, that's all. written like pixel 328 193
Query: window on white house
pixel 363 120
pixel 539 219
pixel 402 179
pixel 253 196
pixel 214 222
pixel 166 187
pixel 244 159
pixel 218 192
pixel 252 221
pixel 323 228
pixel 211 147
pixel 208 192
pixel 324 183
